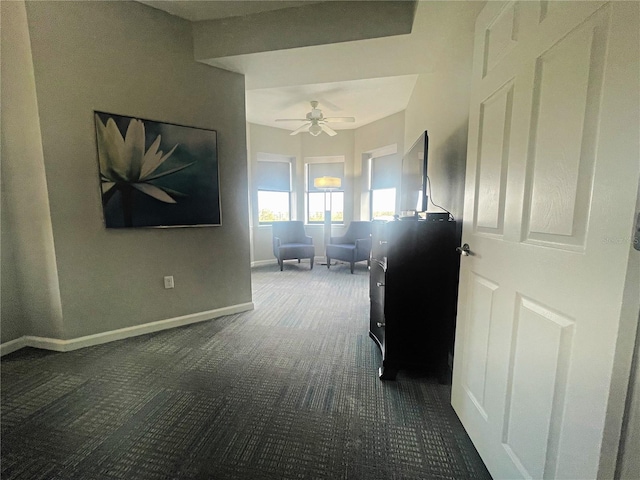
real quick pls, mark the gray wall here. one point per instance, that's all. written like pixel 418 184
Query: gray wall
pixel 316 23
pixel 440 101
pixel 30 292
pixel 130 59
pixel 325 146
pixel 13 319
pixel 385 132
pixel 271 140
pixel 265 139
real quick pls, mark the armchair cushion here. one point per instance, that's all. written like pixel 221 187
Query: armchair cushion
pixel 290 242
pixel 353 246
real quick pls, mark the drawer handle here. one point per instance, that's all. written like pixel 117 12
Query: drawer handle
pixel 381 325
pixel 380 284
pixel 383 242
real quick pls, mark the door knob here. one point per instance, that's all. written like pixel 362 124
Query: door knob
pixel 465 250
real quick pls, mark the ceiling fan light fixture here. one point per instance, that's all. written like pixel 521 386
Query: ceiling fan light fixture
pixel 315 122
pixel 315 130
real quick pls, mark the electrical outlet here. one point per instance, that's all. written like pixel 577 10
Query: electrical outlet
pixel 168 282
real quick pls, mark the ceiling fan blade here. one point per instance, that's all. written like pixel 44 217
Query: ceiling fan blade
pixel 329 131
pixel 340 119
pixel 303 128
pixel 291 120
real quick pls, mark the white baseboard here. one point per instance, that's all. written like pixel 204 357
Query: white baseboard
pixel 13 345
pixel 259 263
pixel 59 345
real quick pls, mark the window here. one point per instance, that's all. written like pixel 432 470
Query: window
pixel 273 207
pixel 383 202
pixel 273 179
pixel 383 178
pixel 316 197
pixel 316 207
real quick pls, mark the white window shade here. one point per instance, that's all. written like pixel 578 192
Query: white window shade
pixel 273 176
pixel 385 172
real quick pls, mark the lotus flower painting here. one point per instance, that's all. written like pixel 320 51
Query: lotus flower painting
pixel 155 174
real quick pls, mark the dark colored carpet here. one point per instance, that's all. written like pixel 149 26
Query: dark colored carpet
pixel 288 391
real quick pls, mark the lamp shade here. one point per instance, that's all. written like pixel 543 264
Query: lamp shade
pixel 327 182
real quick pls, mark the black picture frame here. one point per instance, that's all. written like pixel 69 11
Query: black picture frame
pixel 156 174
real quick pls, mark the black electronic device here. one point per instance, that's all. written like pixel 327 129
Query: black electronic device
pixel 414 177
pixel 437 217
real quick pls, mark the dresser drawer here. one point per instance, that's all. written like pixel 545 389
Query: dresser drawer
pixel 378 242
pixel 376 295
pixel 377 278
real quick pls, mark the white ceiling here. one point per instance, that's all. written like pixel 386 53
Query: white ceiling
pixel 367 100
pixel 367 79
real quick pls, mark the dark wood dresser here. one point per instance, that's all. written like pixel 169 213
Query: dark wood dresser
pixel 413 289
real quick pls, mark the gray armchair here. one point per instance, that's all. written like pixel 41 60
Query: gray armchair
pixel 290 241
pixel 354 246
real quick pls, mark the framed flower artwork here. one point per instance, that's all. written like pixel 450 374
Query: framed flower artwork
pixel 155 174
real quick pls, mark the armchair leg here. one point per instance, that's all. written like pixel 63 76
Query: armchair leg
pixel 311 263
pixel 328 262
pixel 298 260
pixel 281 262
pixel 352 264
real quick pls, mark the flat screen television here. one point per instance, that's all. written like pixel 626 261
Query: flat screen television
pixel 413 190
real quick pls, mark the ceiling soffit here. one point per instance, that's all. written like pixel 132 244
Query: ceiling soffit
pixel 195 10
pixel 315 24
pixel 369 79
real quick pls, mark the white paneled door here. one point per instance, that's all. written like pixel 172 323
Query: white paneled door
pixel 552 178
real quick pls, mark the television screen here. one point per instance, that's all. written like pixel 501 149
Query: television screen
pixel 414 177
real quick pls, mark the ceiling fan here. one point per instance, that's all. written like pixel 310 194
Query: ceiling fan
pixel 316 122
